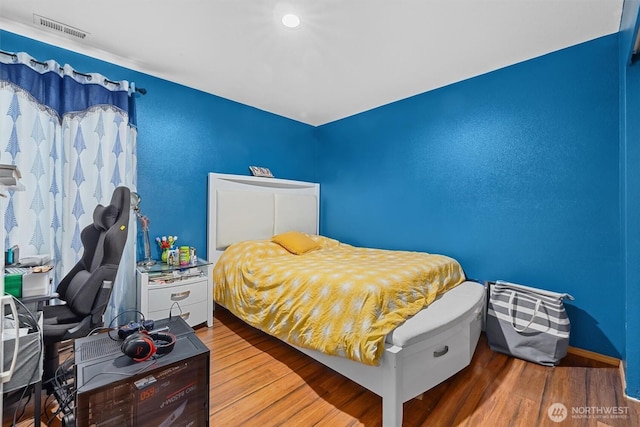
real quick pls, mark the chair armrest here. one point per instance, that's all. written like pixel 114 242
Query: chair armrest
pixel 83 326
pixel 39 298
pixel 37 301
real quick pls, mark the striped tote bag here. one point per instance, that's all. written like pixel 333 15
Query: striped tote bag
pixel 527 323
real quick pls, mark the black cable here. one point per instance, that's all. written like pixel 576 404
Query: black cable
pixel 171 309
pixel 142 319
pixel 68 392
pixel 27 318
pixel 24 408
pixel 61 381
pixel 70 397
pixel 61 372
pixel 98 329
pixel 60 378
pixel 64 391
pixel 61 405
pixel 47 407
pixel 62 401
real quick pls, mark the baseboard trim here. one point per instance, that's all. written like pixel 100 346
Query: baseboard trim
pixel 595 356
pixel 609 361
pixel 623 378
pixel 631 398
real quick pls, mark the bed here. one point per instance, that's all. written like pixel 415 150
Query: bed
pixel 419 353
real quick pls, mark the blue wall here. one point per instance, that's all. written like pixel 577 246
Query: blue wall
pixel 183 134
pixel 515 173
pixel 524 174
pixel 630 188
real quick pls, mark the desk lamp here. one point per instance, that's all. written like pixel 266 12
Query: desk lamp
pixel 144 223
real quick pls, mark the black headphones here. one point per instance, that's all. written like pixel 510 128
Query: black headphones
pixel 140 346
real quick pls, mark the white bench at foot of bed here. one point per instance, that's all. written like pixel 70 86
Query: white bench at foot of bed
pixel 420 354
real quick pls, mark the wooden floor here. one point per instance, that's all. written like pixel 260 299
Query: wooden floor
pixel 257 380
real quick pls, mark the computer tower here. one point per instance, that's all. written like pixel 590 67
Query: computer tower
pixel 170 390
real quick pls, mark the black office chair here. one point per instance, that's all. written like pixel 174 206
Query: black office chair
pixel 85 290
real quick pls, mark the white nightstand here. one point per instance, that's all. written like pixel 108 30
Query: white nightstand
pixel 182 291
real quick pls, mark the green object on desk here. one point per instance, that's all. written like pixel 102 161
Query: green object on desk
pixel 13 284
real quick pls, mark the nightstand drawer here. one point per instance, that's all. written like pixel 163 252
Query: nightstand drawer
pixel 163 297
pixel 193 314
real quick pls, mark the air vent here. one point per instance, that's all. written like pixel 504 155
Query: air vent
pixel 59 27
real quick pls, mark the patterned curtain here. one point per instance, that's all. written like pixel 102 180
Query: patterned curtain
pixel 71 136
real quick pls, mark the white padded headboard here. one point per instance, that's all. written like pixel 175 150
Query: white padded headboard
pixel 254 208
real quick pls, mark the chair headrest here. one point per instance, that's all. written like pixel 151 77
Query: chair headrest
pixel 104 216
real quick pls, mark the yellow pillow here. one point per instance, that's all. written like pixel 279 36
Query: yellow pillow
pixel 295 242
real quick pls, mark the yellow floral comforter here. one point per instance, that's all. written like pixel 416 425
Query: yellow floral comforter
pixel 340 299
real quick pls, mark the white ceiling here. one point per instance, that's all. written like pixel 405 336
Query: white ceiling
pixel 347 56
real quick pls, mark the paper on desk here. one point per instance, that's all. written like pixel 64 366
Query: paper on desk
pixel 35 260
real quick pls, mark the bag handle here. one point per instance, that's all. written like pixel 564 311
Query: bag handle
pixel 512 311
pixel 543 292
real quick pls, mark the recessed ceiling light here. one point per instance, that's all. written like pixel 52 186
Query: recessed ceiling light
pixel 290 20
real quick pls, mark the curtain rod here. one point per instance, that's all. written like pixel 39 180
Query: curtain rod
pixel 143 91
pixel 34 62
pixel 13 55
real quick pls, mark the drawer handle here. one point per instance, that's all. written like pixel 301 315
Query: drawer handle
pixel 180 295
pixel 186 315
pixel 440 353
